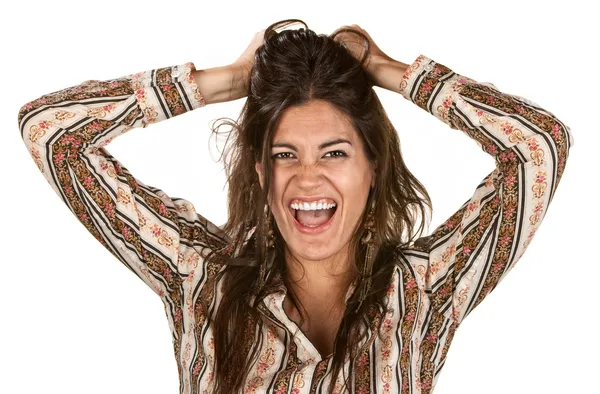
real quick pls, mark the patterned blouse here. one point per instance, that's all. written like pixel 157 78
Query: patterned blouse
pixel 166 243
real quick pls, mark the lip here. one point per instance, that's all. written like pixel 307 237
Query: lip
pixel 312 230
pixel 310 199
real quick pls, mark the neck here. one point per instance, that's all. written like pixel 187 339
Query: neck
pixel 326 279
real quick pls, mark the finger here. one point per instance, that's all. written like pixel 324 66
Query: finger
pixel 345 33
pixel 342 28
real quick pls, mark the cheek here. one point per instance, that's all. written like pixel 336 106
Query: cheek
pixel 278 186
pixel 352 182
pixel 278 182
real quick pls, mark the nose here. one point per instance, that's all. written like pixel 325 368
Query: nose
pixel 309 176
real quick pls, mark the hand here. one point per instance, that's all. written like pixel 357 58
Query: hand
pixel 356 46
pixel 230 82
pixel 244 63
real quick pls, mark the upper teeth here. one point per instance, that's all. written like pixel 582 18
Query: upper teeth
pixel 312 206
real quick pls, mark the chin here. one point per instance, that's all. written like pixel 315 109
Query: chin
pixel 307 251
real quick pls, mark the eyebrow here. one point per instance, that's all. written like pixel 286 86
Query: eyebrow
pixel 322 146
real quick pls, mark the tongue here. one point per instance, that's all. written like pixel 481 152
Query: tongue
pixel 314 218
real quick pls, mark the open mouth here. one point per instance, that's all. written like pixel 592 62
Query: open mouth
pixel 313 220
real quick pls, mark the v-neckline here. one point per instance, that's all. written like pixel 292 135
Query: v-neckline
pixel 277 300
pixel 299 329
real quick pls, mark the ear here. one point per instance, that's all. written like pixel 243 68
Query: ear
pixel 258 168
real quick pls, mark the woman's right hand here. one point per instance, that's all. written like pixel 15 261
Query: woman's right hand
pixel 230 82
pixel 244 63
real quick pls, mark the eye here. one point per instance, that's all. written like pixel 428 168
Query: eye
pixel 279 155
pixel 287 155
pixel 338 153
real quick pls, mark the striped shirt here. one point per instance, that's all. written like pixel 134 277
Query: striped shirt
pixel 435 284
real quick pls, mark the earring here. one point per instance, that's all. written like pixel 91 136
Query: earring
pixel 269 240
pixel 369 240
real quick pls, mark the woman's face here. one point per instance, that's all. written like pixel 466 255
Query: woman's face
pixel 317 156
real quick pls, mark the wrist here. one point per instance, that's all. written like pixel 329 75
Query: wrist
pixel 220 84
pixel 240 79
pixel 388 73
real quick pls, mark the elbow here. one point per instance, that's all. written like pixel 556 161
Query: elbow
pixel 30 113
pixel 561 134
pixel 22 112
pixel 557 133
pixel 570 138
pixel 25 113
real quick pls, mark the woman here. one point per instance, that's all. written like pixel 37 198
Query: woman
pixel 311 285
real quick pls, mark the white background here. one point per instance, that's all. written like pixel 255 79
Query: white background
pixel 74 320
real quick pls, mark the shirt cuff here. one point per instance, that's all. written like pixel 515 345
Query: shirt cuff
pixel 183 74
pixel 166 92
pixel 426 80
pixel 416 71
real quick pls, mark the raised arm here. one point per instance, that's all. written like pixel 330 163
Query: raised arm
pixel 161 239
pixel 466 257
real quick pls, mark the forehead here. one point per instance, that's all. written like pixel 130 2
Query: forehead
pixel 316 119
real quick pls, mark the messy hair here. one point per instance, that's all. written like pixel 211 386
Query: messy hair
pixel 291 68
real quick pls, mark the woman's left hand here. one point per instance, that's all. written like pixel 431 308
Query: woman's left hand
pixel 383 71
pixel 355 45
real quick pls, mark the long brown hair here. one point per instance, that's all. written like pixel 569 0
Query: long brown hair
pixel 291 68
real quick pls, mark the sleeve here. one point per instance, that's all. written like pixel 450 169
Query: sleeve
pixel 466 257
pixel 161 239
